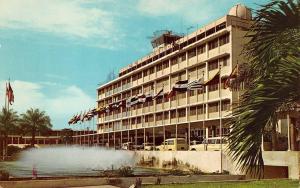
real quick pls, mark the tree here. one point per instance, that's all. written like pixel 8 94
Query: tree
pixel 66 136
pixel 34 121
pixel 8 125
pixel 273 55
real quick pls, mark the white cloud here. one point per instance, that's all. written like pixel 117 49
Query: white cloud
pixel 191 11
pixel 60 107
pixel 78 19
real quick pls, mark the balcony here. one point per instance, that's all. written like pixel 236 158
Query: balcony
pixel 214 52
pixel 225 48
pixel 213 95
pixel 192 61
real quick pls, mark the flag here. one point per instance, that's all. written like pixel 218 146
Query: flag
pixel 71 121
pixel 181 86
pixel 10 94
pixel 142 98
pixel 149 97
pixel 159 94
pixel 83 116
pixel 132 101
pixel 214 79
pixel 78 118
pixel 171 93
pixel 232 75
pixel 196 84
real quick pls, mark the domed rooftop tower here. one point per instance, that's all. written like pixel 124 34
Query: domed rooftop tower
pixel 240 11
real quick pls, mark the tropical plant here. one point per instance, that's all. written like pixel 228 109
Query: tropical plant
pixel 66 136
pixel 34 121
pixel 273 54
pixel 8 125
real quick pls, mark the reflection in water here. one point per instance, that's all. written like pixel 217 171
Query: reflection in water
pixel 68 160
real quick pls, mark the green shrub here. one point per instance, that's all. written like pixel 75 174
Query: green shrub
pixel 177 172
pixel 196 171
pixel 125 171
pixel 4 175
pixel 11 150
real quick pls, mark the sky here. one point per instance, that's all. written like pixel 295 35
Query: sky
pixel 57 52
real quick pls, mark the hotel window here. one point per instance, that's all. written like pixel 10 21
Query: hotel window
pixel 183 57
pixel 213 44
pixel 151 70
pixel 145 73
pixel 224 39
pixel 159 67
pixel 225 61
pixel 166 115
pixel 133 121
pixel 213 107
pixel 226 105
pixel 146 119
pixel 159 116
pixel 165 64
pixel 193 111
pixel 192 93
pixel 221 26
pixel 151 118
pixel 213 87
pixel 134 77
pixel 213 65
pixel 210 31
pixel 139 75
pixel 200 91
pixel 138 120
pixel 159 100
pixel 173 114
pixel 174 61
pixel 200 109
pixel 182 112
pixel 192 53
pixel 201 49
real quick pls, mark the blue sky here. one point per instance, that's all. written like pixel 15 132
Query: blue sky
pixel 56 52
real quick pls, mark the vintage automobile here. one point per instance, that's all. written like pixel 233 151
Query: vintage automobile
pixel 173 144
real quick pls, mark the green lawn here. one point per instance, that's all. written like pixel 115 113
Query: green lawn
pixel 253 184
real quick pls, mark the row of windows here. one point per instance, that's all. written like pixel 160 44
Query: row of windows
pixel 176 47
pixel 191 53
pixel 212 107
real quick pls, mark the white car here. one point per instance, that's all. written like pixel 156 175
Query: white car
pixel 209 144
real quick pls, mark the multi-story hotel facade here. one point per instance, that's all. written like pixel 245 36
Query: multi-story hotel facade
pixel 210 50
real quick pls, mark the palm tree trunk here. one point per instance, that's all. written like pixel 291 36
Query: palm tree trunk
pixel 5 145
pixel 33 138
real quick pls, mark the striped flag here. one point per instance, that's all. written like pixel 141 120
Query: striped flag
pixel 159 94
pixel 10 94
pixel 181 86
pixel 196 84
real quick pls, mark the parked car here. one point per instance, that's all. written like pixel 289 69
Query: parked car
pixel 172 145
pixel 127 146
pixel 148 146
pixel 209 144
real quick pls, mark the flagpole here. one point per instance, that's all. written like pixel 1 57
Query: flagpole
pixel 204 111
pixel 220 114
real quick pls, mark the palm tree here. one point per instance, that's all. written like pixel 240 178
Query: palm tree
pixel 272 80
pixel 8 125
pixel 66 136
pixel 34 121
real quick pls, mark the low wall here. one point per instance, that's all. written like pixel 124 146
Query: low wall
pixel 206 161
pixel 284 158
pixel 210 161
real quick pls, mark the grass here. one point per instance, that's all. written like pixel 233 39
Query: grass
pixel 252 184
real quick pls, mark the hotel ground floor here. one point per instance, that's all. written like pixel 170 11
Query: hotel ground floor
pixel 287 134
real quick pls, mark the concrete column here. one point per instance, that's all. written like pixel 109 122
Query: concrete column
pixel 114 140
pixel 289 136
pixel 153 138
